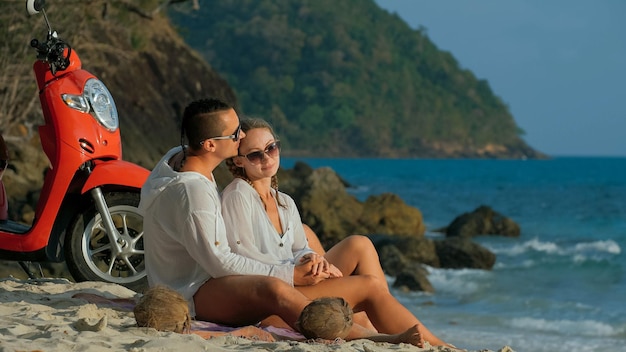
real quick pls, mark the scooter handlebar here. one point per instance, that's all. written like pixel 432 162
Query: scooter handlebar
pixel 53 52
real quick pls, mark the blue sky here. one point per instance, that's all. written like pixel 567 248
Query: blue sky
pixel 558 64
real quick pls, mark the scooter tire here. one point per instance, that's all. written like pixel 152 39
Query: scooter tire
pixel 88 250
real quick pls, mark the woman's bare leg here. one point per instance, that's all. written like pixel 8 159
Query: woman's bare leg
pixel 356 255
pixel 314 241
pixel 367 293
pixel 412 335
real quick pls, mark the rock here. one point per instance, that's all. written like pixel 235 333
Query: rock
pixel 415 249
pixel 460 252
pixel 419 249
pixel 410 275
pixel 414 278
pixel 506 227
pixel 482 221
pixel 327 208
pixel 333 213
pixel 388 213
pixel 391 260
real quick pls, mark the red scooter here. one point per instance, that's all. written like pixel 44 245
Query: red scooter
pixel 87 212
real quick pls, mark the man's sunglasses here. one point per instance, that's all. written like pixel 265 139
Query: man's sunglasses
pixel 271 150
pixel 234 136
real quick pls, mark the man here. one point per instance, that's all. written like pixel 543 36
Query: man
pixel 186 247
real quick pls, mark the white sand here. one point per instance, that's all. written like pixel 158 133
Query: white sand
pixel 41 315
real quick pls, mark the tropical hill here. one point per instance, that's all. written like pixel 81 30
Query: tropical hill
pixel 347 78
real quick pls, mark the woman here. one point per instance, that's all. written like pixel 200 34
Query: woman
pixel 263 223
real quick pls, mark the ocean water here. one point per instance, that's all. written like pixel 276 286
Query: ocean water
pixel 560 286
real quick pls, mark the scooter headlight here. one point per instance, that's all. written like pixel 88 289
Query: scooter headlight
pixel 102 105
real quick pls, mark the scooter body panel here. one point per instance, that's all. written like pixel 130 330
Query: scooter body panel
pixel 44 75
pixel 111 172
pixel 70 139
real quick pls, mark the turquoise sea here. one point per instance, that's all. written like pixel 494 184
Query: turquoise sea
pixel 560 286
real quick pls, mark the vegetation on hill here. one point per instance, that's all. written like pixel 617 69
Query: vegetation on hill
pixel 347 78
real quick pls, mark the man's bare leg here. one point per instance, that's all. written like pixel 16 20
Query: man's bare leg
pixel 247 299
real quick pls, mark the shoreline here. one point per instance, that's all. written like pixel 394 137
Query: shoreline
pixel 42 315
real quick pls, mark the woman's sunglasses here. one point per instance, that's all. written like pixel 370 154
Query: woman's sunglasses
pixel 271 150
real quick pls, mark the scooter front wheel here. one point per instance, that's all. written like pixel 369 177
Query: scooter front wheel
pixel 90 253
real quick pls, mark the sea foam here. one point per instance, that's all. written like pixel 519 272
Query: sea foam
pixel 548 247
pixel 567 327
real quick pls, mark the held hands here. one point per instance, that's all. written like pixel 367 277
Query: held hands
pixel 321 266
pixel 314 268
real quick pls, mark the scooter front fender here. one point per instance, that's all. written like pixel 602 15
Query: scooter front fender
pixel 116 173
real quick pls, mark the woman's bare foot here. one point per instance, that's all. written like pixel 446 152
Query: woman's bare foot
pixel 412 335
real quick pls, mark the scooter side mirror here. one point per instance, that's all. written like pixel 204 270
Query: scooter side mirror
pixel 34 6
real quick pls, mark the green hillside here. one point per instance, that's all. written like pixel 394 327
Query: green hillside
pixel 347 78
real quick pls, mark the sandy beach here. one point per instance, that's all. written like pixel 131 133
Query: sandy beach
pixel 42 315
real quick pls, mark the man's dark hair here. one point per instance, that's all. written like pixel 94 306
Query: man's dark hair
pixel 201 120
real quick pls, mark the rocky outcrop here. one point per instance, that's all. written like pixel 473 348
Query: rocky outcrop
pixel 327 207
pixel 452 253
pixel 410 275
pixel 482 221
pixel 388 213
pixel 459 253
pixel 403 257
pixel 414 278
pixel 413 248
pixel 392 260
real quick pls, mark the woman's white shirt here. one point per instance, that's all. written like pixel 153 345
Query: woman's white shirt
pixel 251 232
